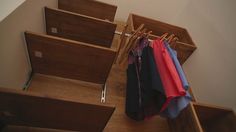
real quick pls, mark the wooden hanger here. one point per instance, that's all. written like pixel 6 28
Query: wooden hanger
pixel 174 42
pixel 163 37
pixel 148 34
pixel 170 38
pixel 138 37
pixel 132 37
pixel 130 41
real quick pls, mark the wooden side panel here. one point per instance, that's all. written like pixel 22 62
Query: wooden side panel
pixel 215 119
pixel 90 8
pixel 27 109
pixel 79 27
pixel 184 51
pixel 69 59
pixel 187 121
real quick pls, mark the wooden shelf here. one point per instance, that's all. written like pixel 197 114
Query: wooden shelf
pixel 92 8
pixel 184 46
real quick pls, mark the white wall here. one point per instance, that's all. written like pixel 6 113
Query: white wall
pixel 8 6
pixel 14 65
pixel 211 70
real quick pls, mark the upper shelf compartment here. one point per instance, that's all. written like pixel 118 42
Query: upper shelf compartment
pixel 90 8
pixel 79 27
pixel 185 46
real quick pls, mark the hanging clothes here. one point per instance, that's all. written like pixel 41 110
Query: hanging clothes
pixel 153 92
pixel 156 83
pixel 169 76
pixel 177 104
pixel 144 94
pixel 178 67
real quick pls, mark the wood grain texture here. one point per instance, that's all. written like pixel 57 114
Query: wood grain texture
pixel 215 119
pixel 90 8
pixel 79 27
pixel 35 110
pixel 185 46
pixel 187 121
pixel 69 59
pixel 90 93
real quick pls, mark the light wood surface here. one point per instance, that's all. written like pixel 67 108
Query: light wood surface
pixel 79 27
pixel 70 59
pixel 90 8
pixel 215 118
pixel 40 110
pixel 91 93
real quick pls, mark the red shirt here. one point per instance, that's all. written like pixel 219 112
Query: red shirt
pixel 168 73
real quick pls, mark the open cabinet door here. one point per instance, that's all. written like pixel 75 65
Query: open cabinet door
pixel 30 109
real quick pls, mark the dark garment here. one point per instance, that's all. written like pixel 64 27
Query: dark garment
pixel 153 92
pixel 144 94
pixel 133 107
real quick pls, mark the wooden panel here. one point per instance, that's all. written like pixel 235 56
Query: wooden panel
pixel 185 46
pixel 90 8
pixel 187 121
pixel 224 123
pixel 69 59
pixel 215 119
pixel 87 92
pixel 29 109
pixel 79 27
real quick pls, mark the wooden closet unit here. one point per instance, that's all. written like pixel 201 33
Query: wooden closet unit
pixel 90 8
pixel 184 47
pixel 37 110
pixel 79 27
pixel 69 59
pixel 198 117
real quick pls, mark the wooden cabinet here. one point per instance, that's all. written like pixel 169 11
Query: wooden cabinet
pixel 184 47
pixel 199 117
pixel 92 8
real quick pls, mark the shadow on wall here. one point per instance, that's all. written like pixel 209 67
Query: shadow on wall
pixel 211 69
pixel 14 66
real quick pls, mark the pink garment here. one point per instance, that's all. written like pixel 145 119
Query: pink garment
pixel 168 73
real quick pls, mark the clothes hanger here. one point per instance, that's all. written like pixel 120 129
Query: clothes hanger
pixel 139 36
pixel 133 37
pixel 174 42
pixel 170 38
pixel 163 37
pixel 130 41
pixel 148 34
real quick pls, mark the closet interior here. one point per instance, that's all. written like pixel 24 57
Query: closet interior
pixel 78 83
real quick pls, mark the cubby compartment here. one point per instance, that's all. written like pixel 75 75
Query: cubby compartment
pixel 34 109
pixel 66 58
pixel 215 119
pixel 199 117
pixel 184 46
pixel 79 27
pixel 92 8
